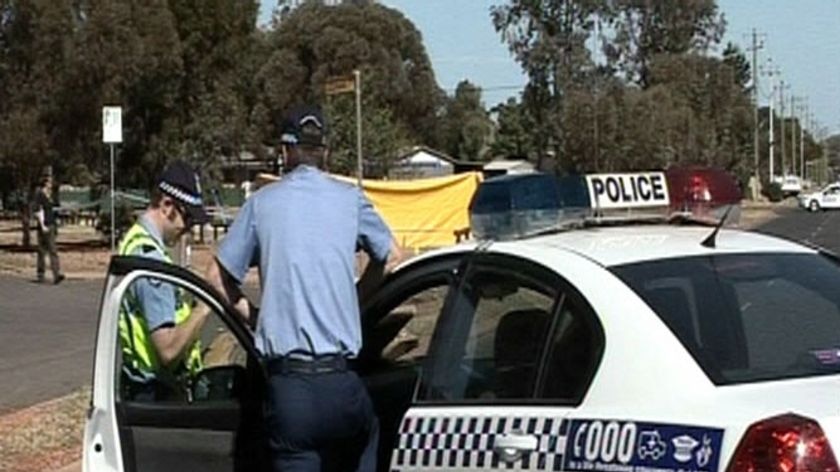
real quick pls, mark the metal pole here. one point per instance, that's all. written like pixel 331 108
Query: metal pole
pixel 772 137
pixel 359 162
pixel 755 102
pixel 113 215
pixel 793 134
pixel 782 133
pixel 802 140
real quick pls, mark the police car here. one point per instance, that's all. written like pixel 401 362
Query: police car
pixel 826 198
pixel 596 344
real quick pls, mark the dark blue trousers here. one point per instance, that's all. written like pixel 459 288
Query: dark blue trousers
pixel 320 422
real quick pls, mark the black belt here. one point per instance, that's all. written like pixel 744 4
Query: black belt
pixel 318 365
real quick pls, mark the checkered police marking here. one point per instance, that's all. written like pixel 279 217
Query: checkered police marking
pixel 429 443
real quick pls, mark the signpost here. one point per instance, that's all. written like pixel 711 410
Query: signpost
pixel 337 85
pixel 112 134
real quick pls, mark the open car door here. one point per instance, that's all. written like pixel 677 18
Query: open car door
pixel 208 422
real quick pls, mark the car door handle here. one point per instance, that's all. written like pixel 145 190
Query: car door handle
pixel 510 447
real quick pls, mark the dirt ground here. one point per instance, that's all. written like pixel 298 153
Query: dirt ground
pixel 48 436
pixel 82 251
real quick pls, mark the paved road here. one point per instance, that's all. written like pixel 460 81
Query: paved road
pixel 820 228
pixel 47 332
pixel 46 339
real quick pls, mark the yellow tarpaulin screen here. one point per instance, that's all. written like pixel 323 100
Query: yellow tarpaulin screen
pixel 421 213
pixel 424 212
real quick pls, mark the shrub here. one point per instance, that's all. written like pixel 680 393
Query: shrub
pixel 773 192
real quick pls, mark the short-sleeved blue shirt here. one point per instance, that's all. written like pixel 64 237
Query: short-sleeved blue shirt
pixel 303 232
pixel 156 298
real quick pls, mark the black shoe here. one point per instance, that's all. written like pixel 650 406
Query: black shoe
pixel 59 278
pixel 39 279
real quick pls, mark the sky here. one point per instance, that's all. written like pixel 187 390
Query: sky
pixel 801 36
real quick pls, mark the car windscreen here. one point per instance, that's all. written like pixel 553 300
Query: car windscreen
pixel 747 317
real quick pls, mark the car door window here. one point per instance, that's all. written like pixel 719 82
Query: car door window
pixel 417 316
pixel 574 349
pixel 492 347
pixel 207 370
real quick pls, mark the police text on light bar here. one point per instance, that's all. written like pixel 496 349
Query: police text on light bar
pixel 643 189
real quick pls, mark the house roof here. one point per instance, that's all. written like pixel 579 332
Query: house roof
pixel 425 154
pixel 509 165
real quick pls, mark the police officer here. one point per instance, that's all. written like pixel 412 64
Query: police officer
pixel 158 327
pixel 303 232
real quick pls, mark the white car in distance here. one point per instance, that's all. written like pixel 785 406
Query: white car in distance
pixel 826 198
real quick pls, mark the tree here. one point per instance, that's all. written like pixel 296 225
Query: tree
pixel 382 137
pixel 465 126
pixel 513 137
pixel 548 38
pixel 33 60
pixel 221 52
pixel 645 29
pixel 314 42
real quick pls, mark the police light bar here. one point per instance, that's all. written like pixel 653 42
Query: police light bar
pixel 626 191
pixel 517 206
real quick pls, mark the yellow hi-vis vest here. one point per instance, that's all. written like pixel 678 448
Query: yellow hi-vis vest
pixel 138 352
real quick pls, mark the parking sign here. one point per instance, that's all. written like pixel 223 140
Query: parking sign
pixel 111 125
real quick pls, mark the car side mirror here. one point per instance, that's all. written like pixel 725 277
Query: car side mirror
pixel 218 383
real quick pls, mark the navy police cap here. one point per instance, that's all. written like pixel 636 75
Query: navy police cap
pixel 181 183
pixel 305 125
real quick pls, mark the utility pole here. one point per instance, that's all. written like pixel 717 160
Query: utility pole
pixel 771 71
pixel 757 43
pixel 803 116
pixel 782 133
pixel 793 134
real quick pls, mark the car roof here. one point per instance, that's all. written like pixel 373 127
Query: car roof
pixel 617 245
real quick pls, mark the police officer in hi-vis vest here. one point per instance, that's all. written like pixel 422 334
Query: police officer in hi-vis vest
pixel 158 327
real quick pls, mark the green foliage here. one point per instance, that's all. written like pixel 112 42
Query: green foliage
pixel 382 137
pixel 651 98
pixel 645 30
pixel 513 137
pixel 125 218
pixel 773 191
pixel 313 43
pixel 548 38
pixel 465 128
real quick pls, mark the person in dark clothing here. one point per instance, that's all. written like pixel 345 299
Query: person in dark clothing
pixel 47 227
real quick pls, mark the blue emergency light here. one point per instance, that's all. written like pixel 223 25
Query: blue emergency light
pixel 516 206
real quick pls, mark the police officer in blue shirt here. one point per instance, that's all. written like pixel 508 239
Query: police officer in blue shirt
pixel 303 232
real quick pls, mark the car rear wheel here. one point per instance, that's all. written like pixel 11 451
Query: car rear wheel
pixel 814 205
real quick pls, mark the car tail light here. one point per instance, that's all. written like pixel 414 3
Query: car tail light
pixel 786 443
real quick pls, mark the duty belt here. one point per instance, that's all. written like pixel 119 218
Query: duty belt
pixel 318 365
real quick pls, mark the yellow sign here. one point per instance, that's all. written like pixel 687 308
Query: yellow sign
pixel 336 85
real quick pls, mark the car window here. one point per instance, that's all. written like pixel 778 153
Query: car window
pixel 210 369
pixel 748 317
pixel 417 316
pixel 498 326
pixel 574 349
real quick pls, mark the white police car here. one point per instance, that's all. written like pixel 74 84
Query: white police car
pixel 602 347
pixel 826 198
